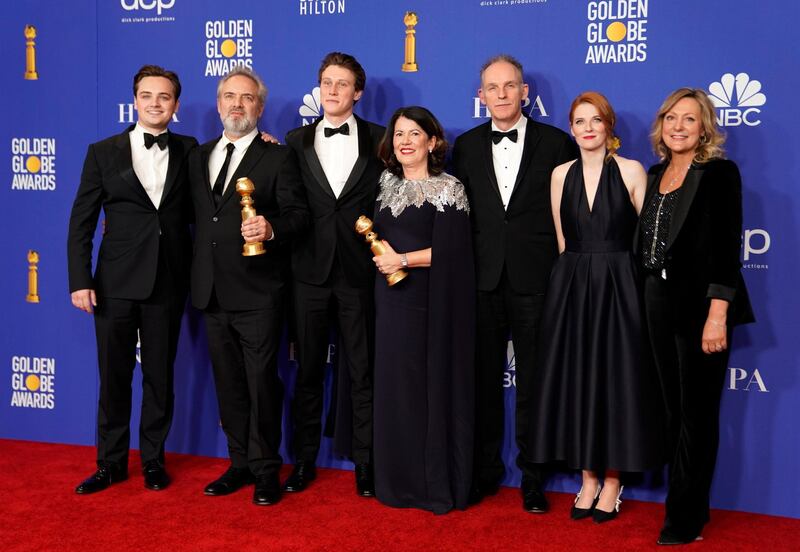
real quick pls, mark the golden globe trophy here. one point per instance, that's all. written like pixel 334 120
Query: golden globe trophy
pixel 33 277
pixel 364 227
pixel 30 53
pixel 245 187
pixel 410 65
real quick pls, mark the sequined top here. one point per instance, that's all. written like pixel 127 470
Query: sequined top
pixel 397 193
pixel 655 224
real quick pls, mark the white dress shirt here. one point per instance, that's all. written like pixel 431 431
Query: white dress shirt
pixel 218 154
pixel 507 156
pixel 338 153
pixel 150 165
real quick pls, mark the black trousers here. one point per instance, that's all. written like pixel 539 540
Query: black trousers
pixel 354 313
pixel 691 383
pixel 158 321
pixel 243 346
pixel 500 311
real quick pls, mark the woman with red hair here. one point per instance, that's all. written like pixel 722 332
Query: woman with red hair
pixel 596 396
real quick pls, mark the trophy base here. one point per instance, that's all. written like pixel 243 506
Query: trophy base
pixel 32 298
pixel 31 75
pixel 410 68
pixel 392 279
pixel 253 249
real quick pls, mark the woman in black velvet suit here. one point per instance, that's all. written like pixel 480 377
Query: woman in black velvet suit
pixel 688 245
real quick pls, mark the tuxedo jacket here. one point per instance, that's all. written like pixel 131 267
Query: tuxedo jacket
pixel 705 234
pixel 134 229
pixel 243 283
pixel 331 233
pixel 522 238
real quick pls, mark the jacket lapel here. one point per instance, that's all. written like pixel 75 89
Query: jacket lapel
pixel 364 153
pixel 488 157
pixel 531 141
pixel 205 155
pixel 175 157
pixel 254 152
pixel 312 159
pixel 684 202
pixel 124 165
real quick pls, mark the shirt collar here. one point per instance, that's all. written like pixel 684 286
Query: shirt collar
pixel 241 144
pixel 350 121
pixel 519 125
pixel 138 131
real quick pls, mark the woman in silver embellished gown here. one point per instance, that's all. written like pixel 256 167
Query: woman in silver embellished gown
pixel 424 334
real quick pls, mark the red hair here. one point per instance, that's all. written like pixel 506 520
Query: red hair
pixel 606 113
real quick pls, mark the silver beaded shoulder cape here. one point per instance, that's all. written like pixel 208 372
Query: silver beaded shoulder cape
pixel 441 191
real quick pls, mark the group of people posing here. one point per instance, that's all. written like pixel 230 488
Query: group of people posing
pixel 619 288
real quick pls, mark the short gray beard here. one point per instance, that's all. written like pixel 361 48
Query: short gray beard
pixel 238 127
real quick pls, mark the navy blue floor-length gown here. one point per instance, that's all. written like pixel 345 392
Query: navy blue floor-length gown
pixel 424 335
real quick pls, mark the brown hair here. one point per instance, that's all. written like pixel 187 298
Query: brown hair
pixel 428 123
pixel 711 139
pixel 156 71
pixel 348 62
pixel 606 113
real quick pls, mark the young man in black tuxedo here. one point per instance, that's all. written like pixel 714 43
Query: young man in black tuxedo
pixel 336 159
pixel 505 165
pixel 242 296
pixel 138 178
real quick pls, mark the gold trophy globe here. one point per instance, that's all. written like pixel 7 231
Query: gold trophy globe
pixel 30 53
pixel 410 20
pixel 33 277
pixel 364 227
pixel 245 188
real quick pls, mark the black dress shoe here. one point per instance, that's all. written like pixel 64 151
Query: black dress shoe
pixel 231 481
pixel 479 491
pixel 155 476
pixel 533 499
pixel 601 516
pixel 669 538
pixel 302 474
pixel 365 481
pixel 578 514
pixel 101 479
pixel 268 490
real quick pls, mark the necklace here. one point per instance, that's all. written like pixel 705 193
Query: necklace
pixel 670 186
pixel 679 173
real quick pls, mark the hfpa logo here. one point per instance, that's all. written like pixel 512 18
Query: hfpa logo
pixel 741 380
pixel 529 106
pixel 738 99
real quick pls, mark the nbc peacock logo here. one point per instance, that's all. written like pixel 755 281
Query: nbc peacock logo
pixel 311 108
pixel 737 99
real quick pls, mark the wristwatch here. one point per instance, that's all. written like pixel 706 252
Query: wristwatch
pixel 404 260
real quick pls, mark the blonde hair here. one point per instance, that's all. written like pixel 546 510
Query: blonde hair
pixel 711 139
pixel 606 113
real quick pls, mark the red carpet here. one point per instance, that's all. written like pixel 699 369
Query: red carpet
pixel 39 511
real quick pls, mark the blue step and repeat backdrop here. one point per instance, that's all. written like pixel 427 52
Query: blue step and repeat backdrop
pixel 85 52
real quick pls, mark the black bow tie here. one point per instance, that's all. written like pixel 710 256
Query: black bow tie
pixel 161 140
pixel 497 135
pixel 344 129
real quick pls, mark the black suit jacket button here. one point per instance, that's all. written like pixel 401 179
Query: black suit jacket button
pixel 213 244
pixel 214 219
pixel 336 209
